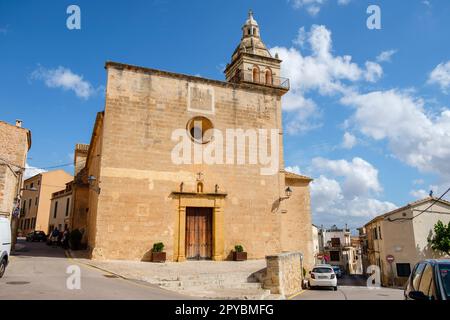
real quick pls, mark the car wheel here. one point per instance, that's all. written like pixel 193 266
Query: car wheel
pixel 2 267
pixel 335 288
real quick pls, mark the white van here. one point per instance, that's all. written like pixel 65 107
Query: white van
pixel 5 244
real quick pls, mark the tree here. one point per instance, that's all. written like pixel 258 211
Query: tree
pixel 441 238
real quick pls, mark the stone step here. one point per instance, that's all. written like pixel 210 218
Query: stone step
pixel 180 285
pixel 230 277
pixel 230 294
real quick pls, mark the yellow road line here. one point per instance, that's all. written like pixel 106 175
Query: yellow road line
pixel 296 294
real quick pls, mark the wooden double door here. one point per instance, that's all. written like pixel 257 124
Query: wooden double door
pixel 199 233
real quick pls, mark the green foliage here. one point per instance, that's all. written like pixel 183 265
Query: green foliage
pixel 75 239
pixel 304 272
pixel 158 247
pixel 239 248
pixel 441 238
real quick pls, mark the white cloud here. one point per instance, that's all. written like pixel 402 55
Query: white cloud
pixel 313 6
pixel 349 141
pixel 419 194
pixel 441 76
pixel 418 138
pixel 331 206
pixel 321 72
pixel 32 171
pixel 64 78
pixel 294 169
pixel 386 56
pixel 360 178
pixel 373 71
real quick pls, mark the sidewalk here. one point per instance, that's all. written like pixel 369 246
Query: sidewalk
pixel 207 279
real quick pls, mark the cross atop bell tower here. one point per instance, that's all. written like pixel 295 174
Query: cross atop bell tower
pixel 252 62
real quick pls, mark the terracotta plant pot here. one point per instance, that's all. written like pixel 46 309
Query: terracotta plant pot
pixel 239 256
pixel 158 257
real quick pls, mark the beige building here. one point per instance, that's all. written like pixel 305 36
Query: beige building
pixel 61 209
pixel 337 248
pixel 36 199
pixel 316 244
pixel 404 234
pixel 141 191
pixel 15 142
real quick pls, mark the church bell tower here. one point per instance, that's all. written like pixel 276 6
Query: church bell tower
pixel 252 63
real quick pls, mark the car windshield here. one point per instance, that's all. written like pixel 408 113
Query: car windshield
pixel 336 268
pixel 444 271
pixel 322 270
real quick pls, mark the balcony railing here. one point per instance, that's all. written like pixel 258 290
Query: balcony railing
pixel 262 79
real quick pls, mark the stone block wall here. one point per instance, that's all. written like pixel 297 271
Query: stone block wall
pixel 14 144
pixel 283 274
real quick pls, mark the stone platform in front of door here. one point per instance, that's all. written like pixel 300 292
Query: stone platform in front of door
pixel 198 279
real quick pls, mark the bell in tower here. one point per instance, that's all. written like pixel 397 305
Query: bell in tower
pixel 252 63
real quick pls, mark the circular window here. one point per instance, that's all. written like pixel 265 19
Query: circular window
pixel 200 129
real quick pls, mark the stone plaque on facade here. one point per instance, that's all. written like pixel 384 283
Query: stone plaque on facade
pixel 200 98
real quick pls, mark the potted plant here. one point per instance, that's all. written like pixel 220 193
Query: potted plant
pixel 157 252
pixel 239 254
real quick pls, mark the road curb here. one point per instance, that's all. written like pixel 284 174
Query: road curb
pixel 69 255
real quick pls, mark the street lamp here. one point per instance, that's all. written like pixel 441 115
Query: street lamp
pixel 288 193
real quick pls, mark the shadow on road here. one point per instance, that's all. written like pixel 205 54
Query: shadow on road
pixel 36 249
pixel 352 280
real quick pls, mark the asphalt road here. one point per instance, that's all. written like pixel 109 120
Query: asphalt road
pixel 351 288
pixel 38 271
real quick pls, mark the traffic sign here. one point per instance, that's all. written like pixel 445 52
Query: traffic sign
pixel 390 258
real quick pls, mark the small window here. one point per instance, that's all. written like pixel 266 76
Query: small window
pixel 29 204
pixel 334 256
pixel 55 212
pixel 200 129
pixel 335 242
pixel 379 233
pixel 403 269
pixel 67 206
pixel 269 80
pixel 256 75
pixel 36 202
pixel 31 185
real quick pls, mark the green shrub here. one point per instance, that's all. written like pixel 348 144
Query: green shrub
pixel 239 248
pixel 158 247
pixel 75 239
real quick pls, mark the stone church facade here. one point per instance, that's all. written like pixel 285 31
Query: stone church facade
pixel 138 186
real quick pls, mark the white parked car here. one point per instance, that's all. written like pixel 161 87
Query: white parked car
pixel 5 244
pixel 323 276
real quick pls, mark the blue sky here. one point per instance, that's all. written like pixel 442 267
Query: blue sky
pixel 392 108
